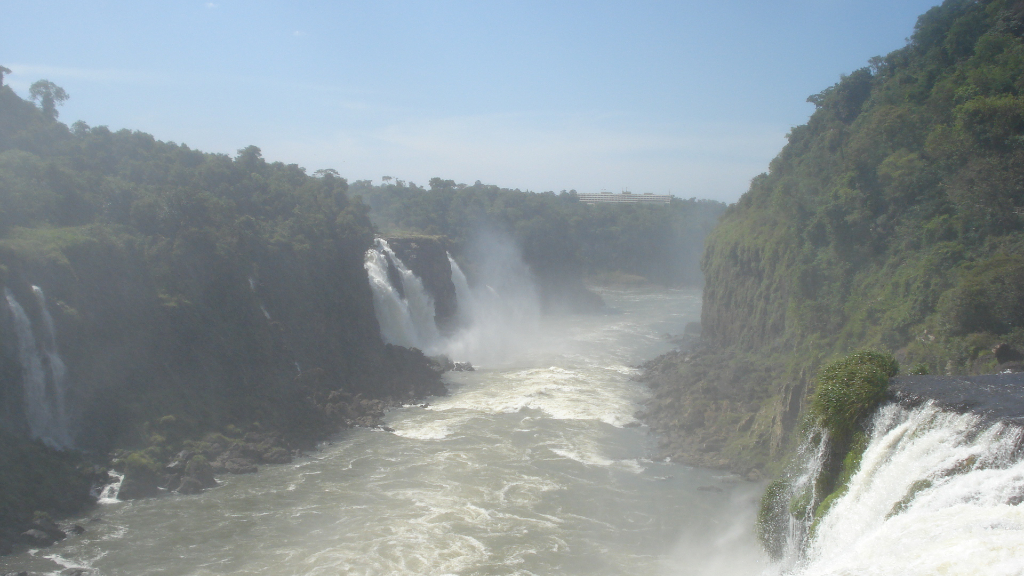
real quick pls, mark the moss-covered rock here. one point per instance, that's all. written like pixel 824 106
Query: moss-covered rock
pixel 849 389
pixel 773 518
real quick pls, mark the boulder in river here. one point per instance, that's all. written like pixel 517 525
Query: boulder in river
pixel 36 537
pixel 199 469
pixel 189 485
pixel 238 466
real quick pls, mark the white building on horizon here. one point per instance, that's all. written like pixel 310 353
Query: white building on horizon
pixel 625 197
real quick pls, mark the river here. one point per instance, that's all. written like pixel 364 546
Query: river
pixel 531 465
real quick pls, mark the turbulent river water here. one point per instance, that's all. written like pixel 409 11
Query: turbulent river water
pixel 533 464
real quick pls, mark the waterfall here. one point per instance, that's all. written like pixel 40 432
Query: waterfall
pixel 463 295
pixel 497 316
pixel 936 493
pixel 803 494
pixel 252 288
pixel 44 375
pixel 404 320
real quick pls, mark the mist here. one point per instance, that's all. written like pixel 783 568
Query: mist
pixel 498 310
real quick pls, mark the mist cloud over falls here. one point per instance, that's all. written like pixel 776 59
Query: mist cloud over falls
pixel 497 312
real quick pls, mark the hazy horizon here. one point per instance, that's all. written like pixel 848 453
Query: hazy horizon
pixel 691 99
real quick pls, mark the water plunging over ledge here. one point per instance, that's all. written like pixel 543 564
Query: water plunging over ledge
pixel 937 492
pixel 43 374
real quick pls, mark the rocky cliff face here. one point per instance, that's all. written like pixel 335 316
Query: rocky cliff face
pixel 240 342
pixel 884 224
pixel 159 294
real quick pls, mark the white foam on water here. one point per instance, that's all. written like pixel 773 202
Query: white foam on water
pixel 108 495
pixel 559 393
pixel 959 483
pixel 518 471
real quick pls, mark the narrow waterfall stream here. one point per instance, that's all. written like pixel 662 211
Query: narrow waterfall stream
pixel 44 376
pixel 531 466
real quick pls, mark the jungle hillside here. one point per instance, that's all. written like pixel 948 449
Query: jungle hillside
pixel 892 220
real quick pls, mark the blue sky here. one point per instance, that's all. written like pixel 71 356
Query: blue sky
pixel 692 98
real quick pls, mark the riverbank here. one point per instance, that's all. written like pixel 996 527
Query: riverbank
pixel 715 410
pixel 43 488
pixel 531 464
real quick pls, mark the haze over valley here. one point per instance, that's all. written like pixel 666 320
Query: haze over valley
pixel 481 290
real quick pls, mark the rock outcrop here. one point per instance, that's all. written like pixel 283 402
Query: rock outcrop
pixel 994 397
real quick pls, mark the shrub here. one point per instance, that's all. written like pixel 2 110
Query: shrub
pixel 850 388
pixel 773 517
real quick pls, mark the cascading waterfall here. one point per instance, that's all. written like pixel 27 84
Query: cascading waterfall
pixel 803 495
pixel 44 375
pixel 404 320
pixel 463 295
pixel 492 322
pixel 936 493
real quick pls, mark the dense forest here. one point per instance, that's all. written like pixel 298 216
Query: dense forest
pixel 562 239
pixel 216 308
pixel 187 294
pixel 892 220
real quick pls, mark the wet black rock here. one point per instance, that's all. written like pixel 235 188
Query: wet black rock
pixel 201 471
pixel 276 455
pixel 1005 354
pixel 138 484
pixel 239 466
pixel 38 538
pixel 441 363
pixel 189 486
pixel 177 466
pixel 463 367
pixel 427 257
pixel 994 397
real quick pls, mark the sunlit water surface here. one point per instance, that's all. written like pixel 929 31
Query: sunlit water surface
pixel 535 466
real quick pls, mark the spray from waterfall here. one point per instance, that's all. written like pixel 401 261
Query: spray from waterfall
pixel 44 375
pixel 406 317
pixel 802 495
pixel 495 317
pixel 936 492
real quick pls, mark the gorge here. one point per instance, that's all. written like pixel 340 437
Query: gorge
pixel 532 463
pixel 822 378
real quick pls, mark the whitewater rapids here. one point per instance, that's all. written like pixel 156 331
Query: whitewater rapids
pixel 534 466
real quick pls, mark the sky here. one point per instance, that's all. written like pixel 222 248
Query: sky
pixel 691 98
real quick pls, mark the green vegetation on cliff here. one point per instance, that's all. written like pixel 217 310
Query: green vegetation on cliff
pixel 191 293
pixel 893 220
pixel 561 238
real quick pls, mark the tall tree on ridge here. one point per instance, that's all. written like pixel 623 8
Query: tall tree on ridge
pixel 49 96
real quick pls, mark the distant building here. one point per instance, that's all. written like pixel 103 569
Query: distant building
pixel 627 197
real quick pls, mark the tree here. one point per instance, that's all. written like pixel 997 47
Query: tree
pixel 49 96
pixel 3 70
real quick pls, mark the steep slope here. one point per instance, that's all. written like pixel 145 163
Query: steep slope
pixel 891 220
pixel 185 293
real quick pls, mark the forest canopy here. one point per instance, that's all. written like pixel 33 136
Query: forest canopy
pixel 557 233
